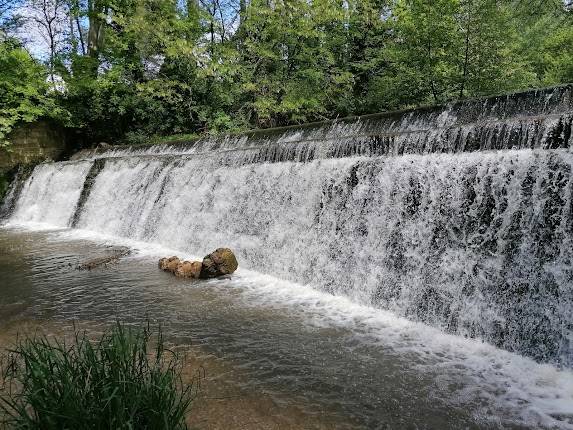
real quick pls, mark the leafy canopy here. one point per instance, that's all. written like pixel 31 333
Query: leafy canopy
pixel 138 68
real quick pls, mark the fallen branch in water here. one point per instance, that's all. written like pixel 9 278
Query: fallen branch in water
pixel 104 261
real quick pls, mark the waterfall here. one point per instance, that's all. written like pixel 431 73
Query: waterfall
pixel 14 190
pixel 51 193
pixel 458 216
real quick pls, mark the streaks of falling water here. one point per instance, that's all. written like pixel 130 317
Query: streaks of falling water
pixel 50 195
pixel 477 244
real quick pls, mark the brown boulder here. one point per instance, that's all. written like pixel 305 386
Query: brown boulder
pixel 188 269
pixel 220 262
pixel 169 264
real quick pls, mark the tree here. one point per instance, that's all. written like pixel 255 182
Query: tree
pixel 49 17
pixel 368 34
pixel 24 95
pixel 133 68
pixel 558 55
pixel 423 54
pixel 9 21
pixel 288 69
pixel 488 63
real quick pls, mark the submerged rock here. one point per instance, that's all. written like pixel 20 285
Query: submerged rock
pixel 188 269
pixel 220 262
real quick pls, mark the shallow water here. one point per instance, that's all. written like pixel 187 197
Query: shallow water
pixel 349 365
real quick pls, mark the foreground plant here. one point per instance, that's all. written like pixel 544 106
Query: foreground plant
pixel 125 380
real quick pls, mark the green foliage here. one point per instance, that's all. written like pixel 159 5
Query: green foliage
pixel 540 26
pixel 558 56
pixel 118 382
pixel 134 70
pixel 289 73
pixel 449 49
pixel 147 84
pixel 24 94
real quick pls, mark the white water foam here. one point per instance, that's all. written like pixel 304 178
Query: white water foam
pixel 476 244
pixel 51 194
pixel 530 393
pixel 451 240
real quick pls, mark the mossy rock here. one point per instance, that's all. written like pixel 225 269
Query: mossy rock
pixel 220 262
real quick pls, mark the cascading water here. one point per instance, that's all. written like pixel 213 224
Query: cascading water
pixel 459 216
pixel 50 195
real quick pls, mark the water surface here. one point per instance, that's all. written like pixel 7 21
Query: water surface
pixel 346 365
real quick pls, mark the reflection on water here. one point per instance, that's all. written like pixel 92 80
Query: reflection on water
pixel 341 374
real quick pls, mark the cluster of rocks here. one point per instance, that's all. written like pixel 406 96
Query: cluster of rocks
pixel 220 262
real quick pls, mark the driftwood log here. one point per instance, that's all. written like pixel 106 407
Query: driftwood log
pixel 93 263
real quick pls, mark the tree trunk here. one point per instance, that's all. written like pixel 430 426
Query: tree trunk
pixel 242 11
pixel 80 36
pixel 95 32
pixel 467 53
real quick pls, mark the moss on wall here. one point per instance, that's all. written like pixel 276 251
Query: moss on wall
pixel 33 143
pixel 30 144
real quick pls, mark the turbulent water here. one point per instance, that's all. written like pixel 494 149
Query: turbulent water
pixel 460 216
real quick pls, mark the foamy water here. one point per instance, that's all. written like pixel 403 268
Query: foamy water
pixel 475 244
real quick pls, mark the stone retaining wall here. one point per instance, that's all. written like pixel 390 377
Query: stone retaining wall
pixel 32 143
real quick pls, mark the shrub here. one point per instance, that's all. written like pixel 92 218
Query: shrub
pixel 124 380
